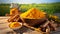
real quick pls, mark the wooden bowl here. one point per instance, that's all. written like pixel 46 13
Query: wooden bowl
pixel 33 22
pixel 16 27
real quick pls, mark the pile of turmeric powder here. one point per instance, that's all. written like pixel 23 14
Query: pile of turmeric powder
pixel 14 25
pixel 33 14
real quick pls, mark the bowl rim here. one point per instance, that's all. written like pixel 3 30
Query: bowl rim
pixel 34 18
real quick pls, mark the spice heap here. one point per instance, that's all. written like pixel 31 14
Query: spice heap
pixel 14 25
pixel 33 14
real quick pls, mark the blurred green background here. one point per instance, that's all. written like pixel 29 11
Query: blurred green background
pixel 50 8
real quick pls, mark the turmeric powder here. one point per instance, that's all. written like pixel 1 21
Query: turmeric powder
pixel 33 14
pixel 14 25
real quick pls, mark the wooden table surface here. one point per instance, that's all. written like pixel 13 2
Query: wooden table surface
pixel 4 28
pixel 4 25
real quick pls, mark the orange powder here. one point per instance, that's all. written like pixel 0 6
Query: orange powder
pixel 33 13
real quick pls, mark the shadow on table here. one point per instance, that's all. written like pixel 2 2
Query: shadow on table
pixel 22 30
